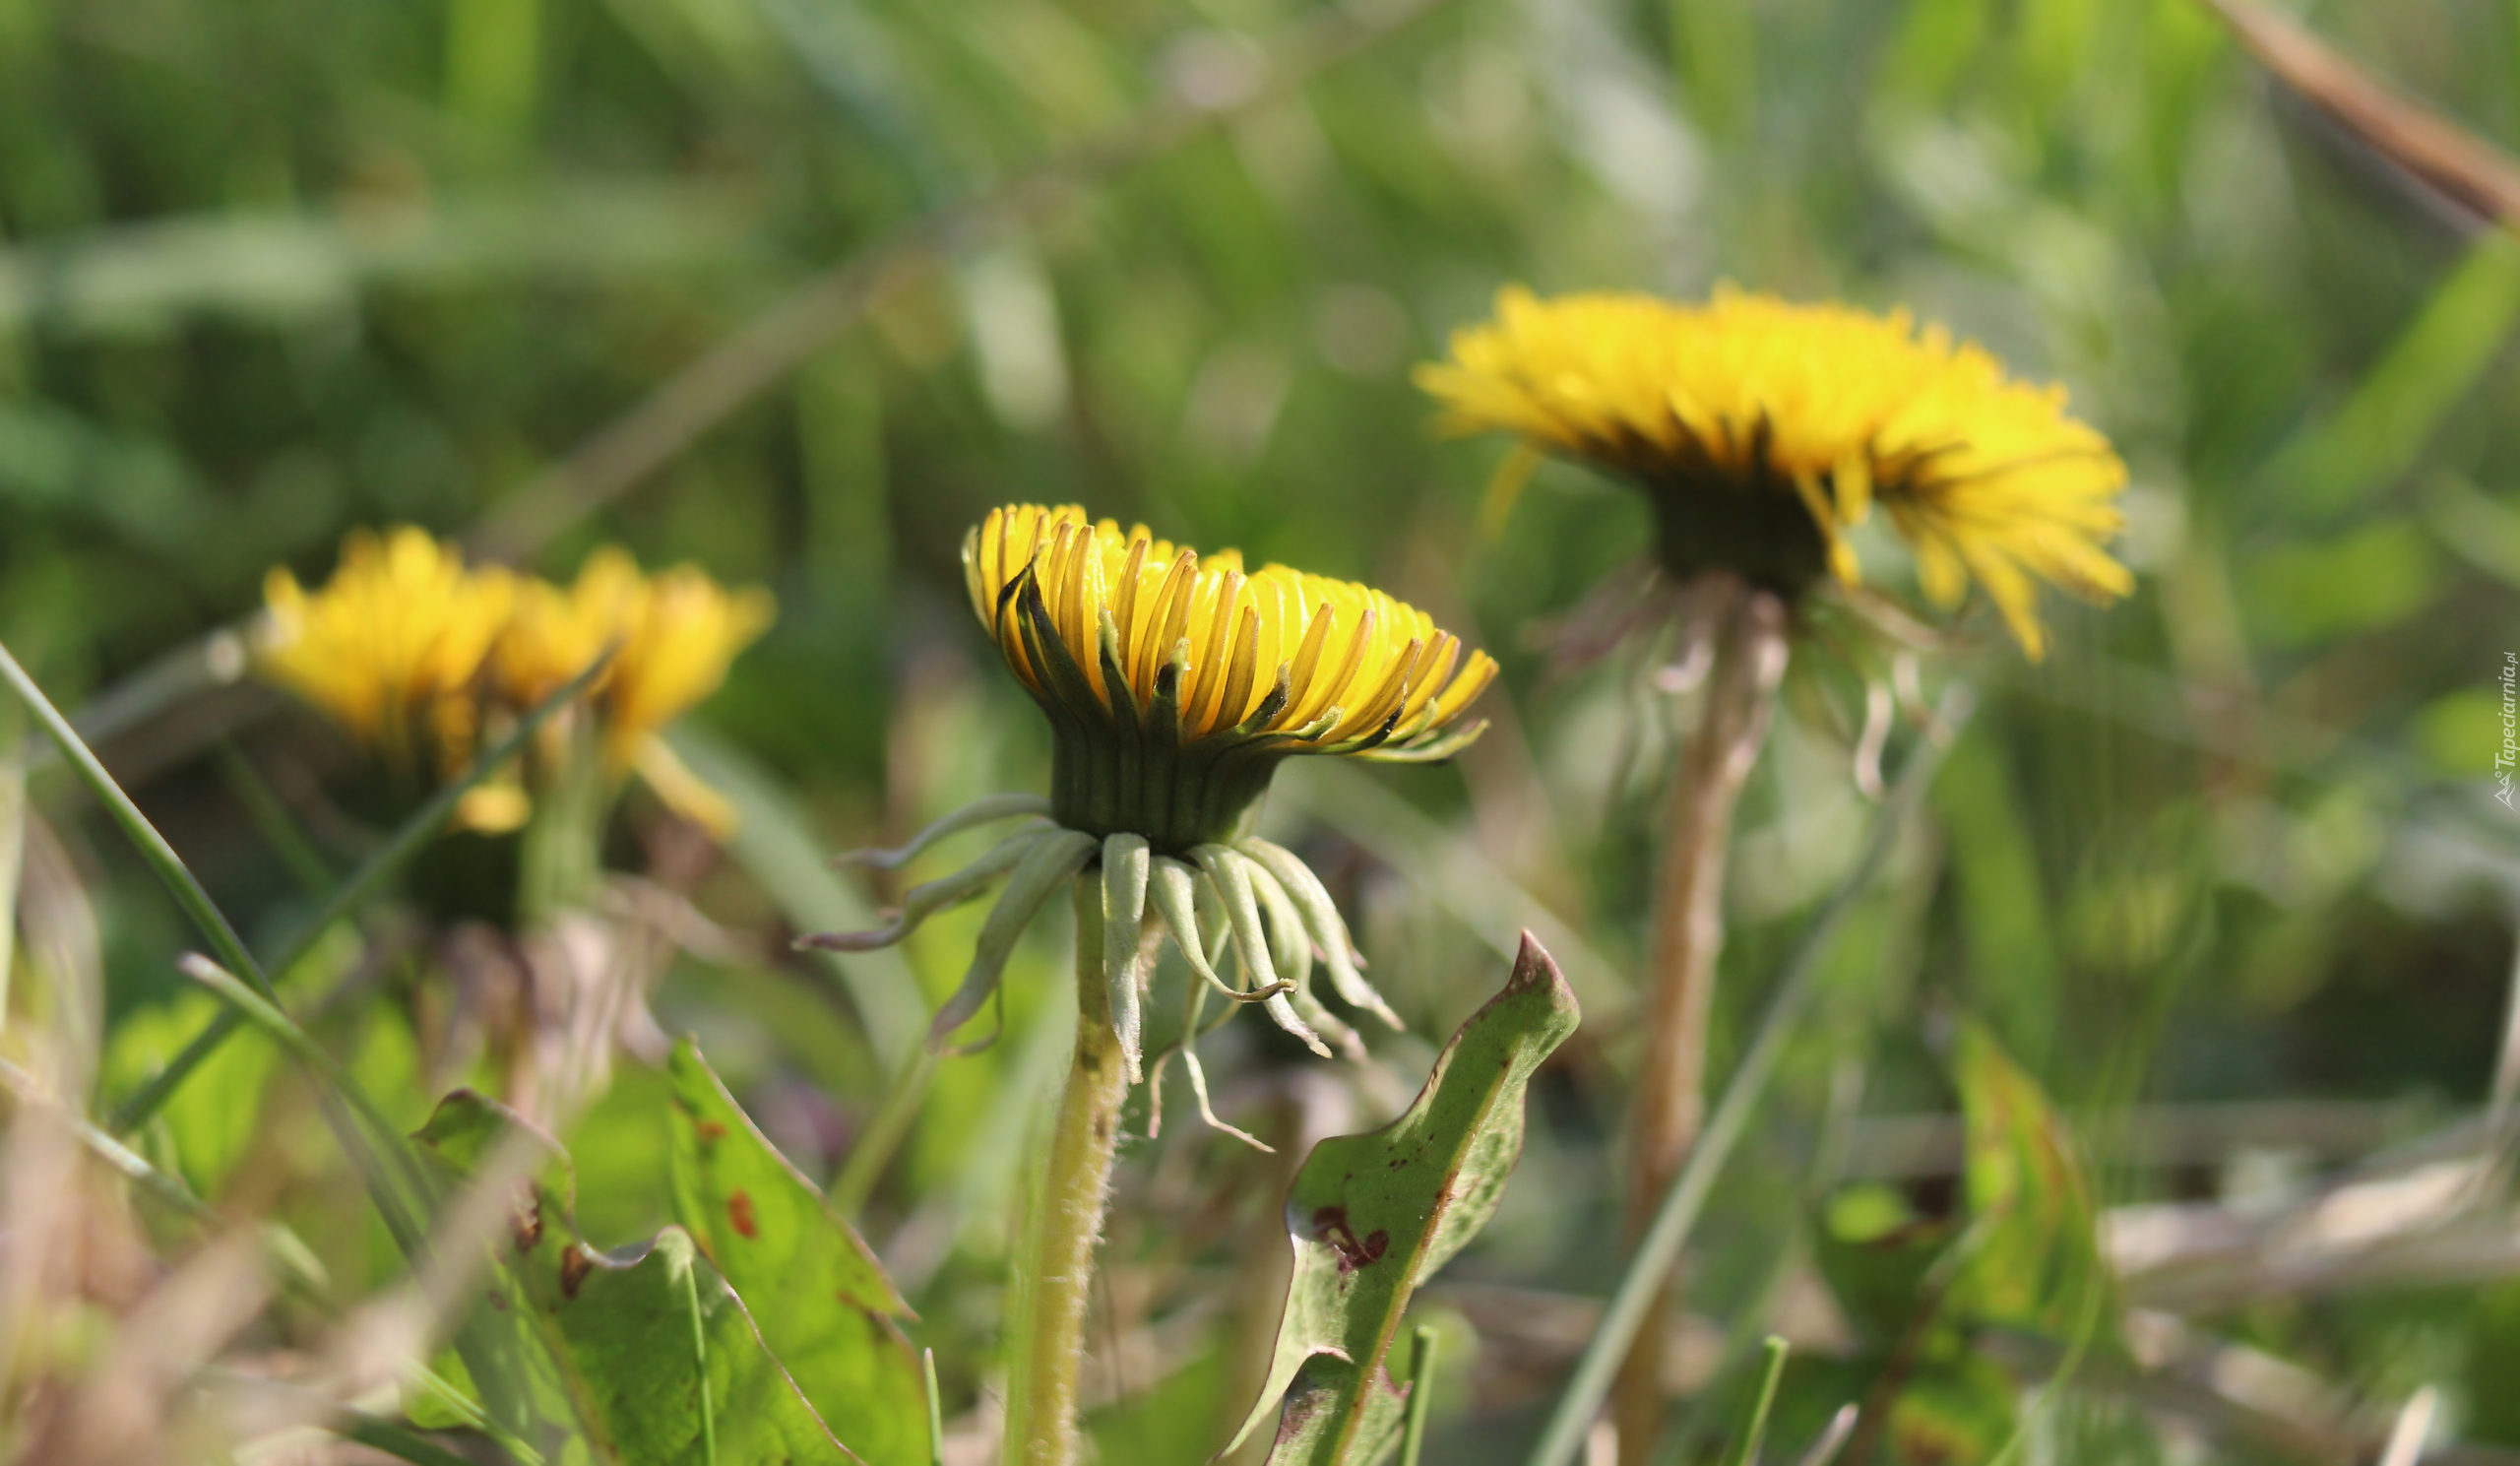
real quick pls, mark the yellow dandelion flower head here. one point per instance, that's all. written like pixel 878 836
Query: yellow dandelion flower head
pixel 556 631
pixel 1175 684
pixel 1763 431
pixel 674 636
pixel 686 634
pixel 391 645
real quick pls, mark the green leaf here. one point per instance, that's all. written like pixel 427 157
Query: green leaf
pixel 2381 430
pixel 1958 1410
pixel 2310 591
pixel 1876 1255
pixel 666 1364
pixel 2492 1326
pixel 822 1302
pixel 2034 1254
pixel 640 1355
pixel 1372 1215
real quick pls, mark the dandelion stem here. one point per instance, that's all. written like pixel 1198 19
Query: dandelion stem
pixel 1054 1272
pixel 1748 627
pixel 1790 993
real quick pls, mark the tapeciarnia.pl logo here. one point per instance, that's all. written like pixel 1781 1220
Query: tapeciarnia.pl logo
pixel 2504 756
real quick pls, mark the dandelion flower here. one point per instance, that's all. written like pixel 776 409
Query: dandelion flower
pixel 1174 686
pixel 391 647
pixel 1763 432
pixel 672 635
pixel 412 651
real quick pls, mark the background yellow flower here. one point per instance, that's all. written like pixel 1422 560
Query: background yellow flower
pixel 673 635
pixel 392 646
pixel 1764 431
pixel 404 644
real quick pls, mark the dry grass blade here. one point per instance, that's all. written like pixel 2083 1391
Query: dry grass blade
pixel 13 820
pixel 140 1404
pixel 2405 1437
pixel 2445 157
pixel 287 1256
pixel 2240 1398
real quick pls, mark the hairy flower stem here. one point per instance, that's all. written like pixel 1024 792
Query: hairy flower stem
pixel 1748 628
pixel 1054 1276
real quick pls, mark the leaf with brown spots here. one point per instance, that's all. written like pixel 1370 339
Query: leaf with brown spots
pixel 2035 1258
pixel 822 1300
pixel 1370 1216
pixel 643 1354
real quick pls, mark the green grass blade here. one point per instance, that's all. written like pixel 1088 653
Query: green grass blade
pixel 935 1410
pixel 1745 1447
pixel 2437 361
pixel 399 1441
pixel 393 1179
pixel 161 857
pixel 785 858
pixel 1492 905
pixel 1421 1394
pixel 215 661
pixel 1794 988
pixel 875 1146
pixel 363 884
pixel 272 820
pixel 700 1368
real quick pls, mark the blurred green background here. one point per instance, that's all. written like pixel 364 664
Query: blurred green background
pixel 273 269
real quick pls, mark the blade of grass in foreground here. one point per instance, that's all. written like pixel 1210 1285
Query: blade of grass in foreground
pixel 1422 1395
pixel 1490 904
pixel 272 820
pixel 883 1135
pixel 384 1165
pixel 398 1441
pixel 935 1410
pixel 161 857
pixel 13 830
pixel 371 877
pixel 288 1255
pixel 1745 1446
pixel 1677 1215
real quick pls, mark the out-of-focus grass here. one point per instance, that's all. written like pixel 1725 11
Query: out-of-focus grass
pixel 271 269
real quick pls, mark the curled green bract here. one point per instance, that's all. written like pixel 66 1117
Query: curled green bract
pixel 995 809
pixel 1256 900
